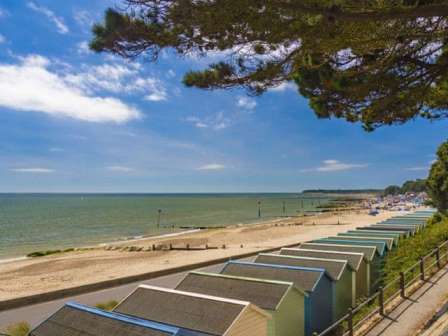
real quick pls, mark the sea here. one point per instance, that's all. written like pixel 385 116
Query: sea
pixel 38 222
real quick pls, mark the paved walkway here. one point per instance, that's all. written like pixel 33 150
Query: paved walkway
pixel 414 312
pixel 35 314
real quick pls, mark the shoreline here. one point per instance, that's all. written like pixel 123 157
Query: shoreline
pixel 63 271
pixel 99 245
pixel 136 239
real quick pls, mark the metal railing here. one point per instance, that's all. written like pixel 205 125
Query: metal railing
pixel 382 301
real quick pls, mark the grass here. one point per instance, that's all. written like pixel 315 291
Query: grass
pixel 412 249
pixel 18 329
pixel 109 305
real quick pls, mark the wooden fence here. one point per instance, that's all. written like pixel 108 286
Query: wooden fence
pixel 388 297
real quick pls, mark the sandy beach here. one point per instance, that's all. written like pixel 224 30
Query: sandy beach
pixel 61 271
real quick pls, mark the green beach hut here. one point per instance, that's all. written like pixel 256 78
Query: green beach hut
pixel 380 245
pixel 371 259
pixel 395 236
pixel 355 260
pixel 389 241
pixel 339 270
pixel 399 234
pixel 409 221
pixel 376 267
pixel 411 228
pixel 314 281
pixel 282 300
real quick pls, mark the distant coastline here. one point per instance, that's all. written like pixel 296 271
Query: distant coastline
pixel 343 191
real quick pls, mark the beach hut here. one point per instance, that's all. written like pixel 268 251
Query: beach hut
pixel 416 219
pixel 395 236
pixel 282 300
pixel 206 314
pixel 78 320
pixel 314 281
pixel 404 222
pixel 371 257
pixel 409 221
pixel 393 227
pixel 389 241
pixel 380 245
pixel 339 270
pixel 355 260
pixel 409 230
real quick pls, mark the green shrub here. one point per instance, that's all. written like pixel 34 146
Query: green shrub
pixel 406 255
pixel 412 249
pixel 19 329
pixel 109 305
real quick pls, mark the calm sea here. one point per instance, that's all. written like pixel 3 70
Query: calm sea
pixel 34 222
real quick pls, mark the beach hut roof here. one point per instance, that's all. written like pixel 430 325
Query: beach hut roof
pixel 367 251
pixel 371 228
pixel 205 313
pixel 411 228
pixel 304 278
pixel 380 246
pixel 389 241
pixel 266 294
pixel 77 320
pixel 380 232
pixel 354 259
pixel 335 268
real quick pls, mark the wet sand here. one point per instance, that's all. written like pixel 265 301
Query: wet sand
pixel 44 274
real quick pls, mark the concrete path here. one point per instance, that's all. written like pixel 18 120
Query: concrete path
pixel 37 313
pixel 414 312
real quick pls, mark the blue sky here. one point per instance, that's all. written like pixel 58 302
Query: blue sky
pixel 74 121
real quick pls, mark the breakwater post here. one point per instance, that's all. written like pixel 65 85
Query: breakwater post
pixel 159 213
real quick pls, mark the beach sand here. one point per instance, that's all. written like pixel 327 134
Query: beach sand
pixel 60 271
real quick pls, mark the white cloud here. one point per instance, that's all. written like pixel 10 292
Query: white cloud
pixel 120 169
pixel 335 165
pixel 2 39
pixel 212 166
pixel 83 48
pixel 157 95
pixel 246 102
pixel 34 170
pixel 216 122
pixel 31 86
pixel 3 13
pixel 284 87
pixel 118 78
pixel 417 168
pixel 59 22
pixel 84 19
pixel 171 73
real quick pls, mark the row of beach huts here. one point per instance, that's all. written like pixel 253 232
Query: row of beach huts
pixel 293 292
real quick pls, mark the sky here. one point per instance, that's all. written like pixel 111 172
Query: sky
pixel 76 121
